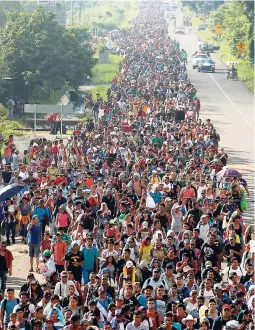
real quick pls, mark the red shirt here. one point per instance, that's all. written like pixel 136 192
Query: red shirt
pixel 55 150
pixel 53 117
pixel 8 257
pixel 46 245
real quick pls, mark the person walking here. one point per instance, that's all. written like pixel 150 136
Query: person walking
pixel 90 254
pixel 34 241
pixel 6 259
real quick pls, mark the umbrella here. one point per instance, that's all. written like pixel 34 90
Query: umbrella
pixel 10 191
pixel 231 173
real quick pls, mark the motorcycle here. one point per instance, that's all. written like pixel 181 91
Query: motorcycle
pixel 232 71
pixel 232 74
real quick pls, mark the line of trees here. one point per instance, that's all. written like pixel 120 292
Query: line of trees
pixel 236 19
pixel 42 55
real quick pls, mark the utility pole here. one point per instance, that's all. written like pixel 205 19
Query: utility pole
pixel 80 12
pixel 72 12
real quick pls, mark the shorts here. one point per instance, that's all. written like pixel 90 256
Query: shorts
pixel 34 250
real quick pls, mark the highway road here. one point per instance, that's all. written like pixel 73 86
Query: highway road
pixel 230 106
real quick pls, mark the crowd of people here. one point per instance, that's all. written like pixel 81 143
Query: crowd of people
pixel 136 222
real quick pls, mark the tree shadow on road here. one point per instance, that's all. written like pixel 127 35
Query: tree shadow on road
pixel 15 282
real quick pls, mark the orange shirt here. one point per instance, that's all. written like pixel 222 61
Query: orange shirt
pixel 59 251
pixel 155 317
pixel 89 182
pixel 50 204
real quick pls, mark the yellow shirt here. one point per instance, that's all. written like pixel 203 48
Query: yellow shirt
pixel 145 253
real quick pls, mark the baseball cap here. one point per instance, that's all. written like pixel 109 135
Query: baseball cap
pixel 217 286
pixel 129 264
pixel 49 320
pixel 226 306
pixel 47 295
pixel 156 270
pixel 119 298
pixel 232 274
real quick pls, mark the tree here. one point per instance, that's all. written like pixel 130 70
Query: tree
pixel 202 6
pixel 41 53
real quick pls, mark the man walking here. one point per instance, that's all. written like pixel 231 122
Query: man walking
pixel 34 241
pixel 6 259
pixel 90 254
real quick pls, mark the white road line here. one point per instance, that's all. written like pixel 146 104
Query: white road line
pixel 234 105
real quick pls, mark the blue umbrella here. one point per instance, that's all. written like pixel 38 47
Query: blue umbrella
pixel 10 191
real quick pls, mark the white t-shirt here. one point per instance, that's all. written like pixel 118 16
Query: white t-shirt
pixel 207 296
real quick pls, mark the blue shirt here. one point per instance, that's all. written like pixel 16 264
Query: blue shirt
pixel 143 301
pixel 34 235
pixel 89 257
pixel 105 303
pixel 10 304
pixel 40 212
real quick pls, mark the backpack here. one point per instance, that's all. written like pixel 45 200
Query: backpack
pixel 5 303
pixel 157 319
pixel 25 310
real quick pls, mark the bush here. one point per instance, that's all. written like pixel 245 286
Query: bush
pixel 3 111
pixel 9 126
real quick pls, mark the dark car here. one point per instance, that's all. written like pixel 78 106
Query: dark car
pixel 201 27
pixel 209 48
pixel 207 65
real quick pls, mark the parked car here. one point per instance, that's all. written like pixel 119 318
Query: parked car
pixel 198 58
pixel 201 27
pixel 209 47
pixel 179 30
pixel 206 65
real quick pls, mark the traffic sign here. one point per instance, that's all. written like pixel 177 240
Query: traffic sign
pixel 218 29
pixel 109 44
pixel 48 108
pixel 241 46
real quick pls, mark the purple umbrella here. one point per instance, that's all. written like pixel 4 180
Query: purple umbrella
pixel 231 173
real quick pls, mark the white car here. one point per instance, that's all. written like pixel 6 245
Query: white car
pixel 179 30
pixel 198 58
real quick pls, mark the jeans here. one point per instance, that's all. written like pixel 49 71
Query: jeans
pixel 3 277
pixel 10 229
pixel 10 112
pixel 59 269
pixel 24 230
pixel 85 274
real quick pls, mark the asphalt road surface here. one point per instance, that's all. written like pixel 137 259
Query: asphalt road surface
pixel 230 106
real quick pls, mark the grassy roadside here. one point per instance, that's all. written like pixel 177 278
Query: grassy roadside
pixel 104 73
pixel 245 69
pixel 109 15
pixel 100 89
pixel 8 126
